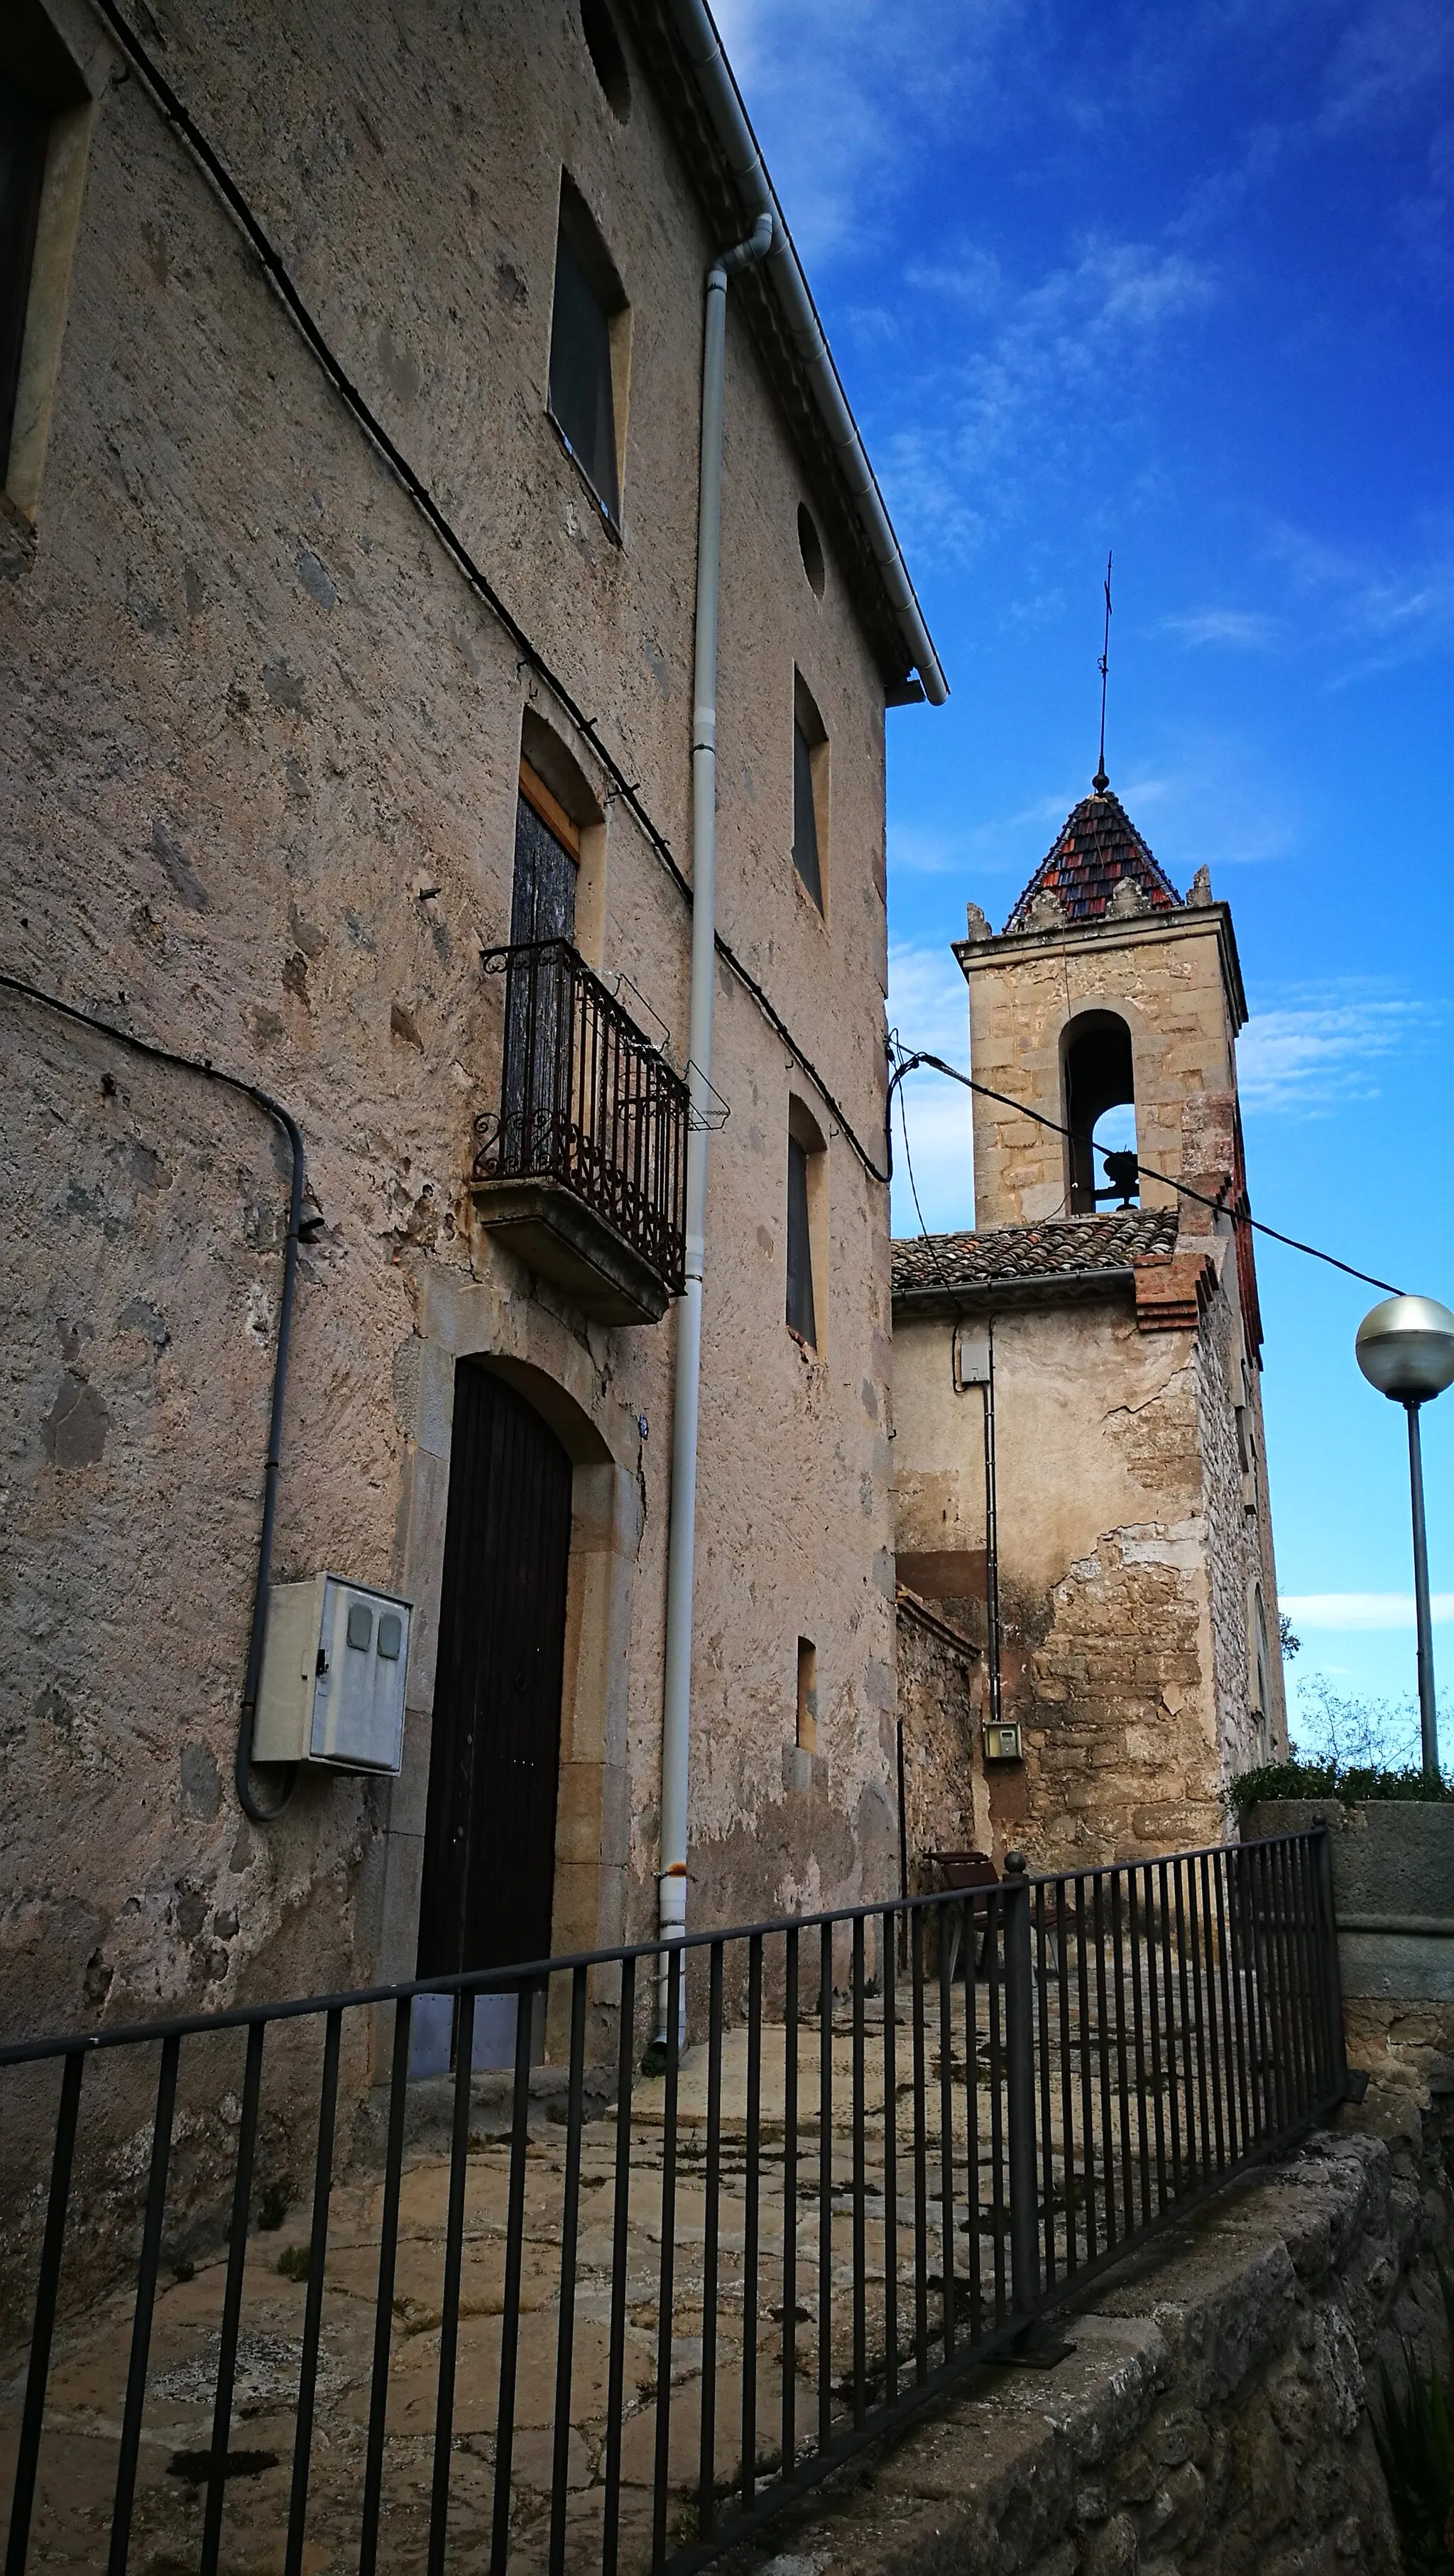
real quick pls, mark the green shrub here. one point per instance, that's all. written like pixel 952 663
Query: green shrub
pixel 1350 1783
pixel 293 2262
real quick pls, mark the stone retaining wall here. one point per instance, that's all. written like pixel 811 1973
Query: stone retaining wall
pixel 1213 2416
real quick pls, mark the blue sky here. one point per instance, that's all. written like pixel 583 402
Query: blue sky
pixel 1180 281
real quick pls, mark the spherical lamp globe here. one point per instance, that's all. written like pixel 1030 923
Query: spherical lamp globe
pixel 1405 1348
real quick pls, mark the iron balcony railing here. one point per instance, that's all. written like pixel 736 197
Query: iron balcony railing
pixel 602 2318
pixel 588 1102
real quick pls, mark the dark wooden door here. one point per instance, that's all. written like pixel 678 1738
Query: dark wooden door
pixel 489 1841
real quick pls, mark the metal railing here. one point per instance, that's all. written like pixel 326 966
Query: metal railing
pixel 606 2319
pixel 587 1101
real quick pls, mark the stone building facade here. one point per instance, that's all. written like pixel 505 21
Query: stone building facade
pixel 284 703
pixel 1076 1386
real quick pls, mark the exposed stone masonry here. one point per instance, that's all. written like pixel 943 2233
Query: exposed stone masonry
pixel 1212 2419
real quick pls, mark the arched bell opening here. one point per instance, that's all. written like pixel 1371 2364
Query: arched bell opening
pixel 1099 1091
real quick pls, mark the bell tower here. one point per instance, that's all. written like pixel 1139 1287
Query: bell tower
pixel 1099 1518
pixel 1106 989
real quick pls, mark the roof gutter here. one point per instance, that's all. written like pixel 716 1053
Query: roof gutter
pixel 722 100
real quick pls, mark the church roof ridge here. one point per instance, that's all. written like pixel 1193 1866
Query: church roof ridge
pixel 1097 849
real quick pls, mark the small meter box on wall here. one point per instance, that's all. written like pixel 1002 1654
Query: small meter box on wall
pixel 1002 1742
pixel 332 1686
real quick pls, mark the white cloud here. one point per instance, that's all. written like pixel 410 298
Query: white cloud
pixel 1384 612
pixel 1243 629
pixel 834 86
pixel 1021 398
pixel 1320 1048
pixel 929 1006
pixel 928 1000
pixel 923 849
pixel 1344 1612
pixel 1391 57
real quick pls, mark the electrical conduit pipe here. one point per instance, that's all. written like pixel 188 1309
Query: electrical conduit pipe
pixel 681 1533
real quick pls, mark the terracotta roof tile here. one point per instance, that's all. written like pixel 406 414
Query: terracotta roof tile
pixel 1073 1247
pixel 1098 846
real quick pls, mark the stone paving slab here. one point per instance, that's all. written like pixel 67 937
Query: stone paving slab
pixel 89 2368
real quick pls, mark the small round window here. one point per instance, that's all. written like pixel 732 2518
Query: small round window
pixel 810 547
pixel 604 47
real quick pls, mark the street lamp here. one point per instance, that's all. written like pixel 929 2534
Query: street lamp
pixel 1405 1348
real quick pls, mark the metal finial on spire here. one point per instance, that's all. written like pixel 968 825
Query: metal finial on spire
pixel 1101 782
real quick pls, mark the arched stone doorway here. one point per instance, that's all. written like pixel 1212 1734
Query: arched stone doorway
pixel 467 1328
pixel 494 1763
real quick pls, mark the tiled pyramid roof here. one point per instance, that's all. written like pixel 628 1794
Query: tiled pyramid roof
pixel 1072 1247
pixel 1098 846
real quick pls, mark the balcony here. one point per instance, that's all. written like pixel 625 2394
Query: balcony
pixel 582 1171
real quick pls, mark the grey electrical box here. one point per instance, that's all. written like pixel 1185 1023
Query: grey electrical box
pixel 332 1686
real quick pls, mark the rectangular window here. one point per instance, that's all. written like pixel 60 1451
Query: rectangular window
pixel 23 126
pixel 44 127
pixel 588 346
pixel 810 791
pixel 805 820
pixel 807 1696
pixel 801 1314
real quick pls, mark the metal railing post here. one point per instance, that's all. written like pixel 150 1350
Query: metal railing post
pixel 1020 2088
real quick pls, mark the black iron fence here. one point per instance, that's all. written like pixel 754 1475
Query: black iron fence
pixel 587 1101
pixel 557 2312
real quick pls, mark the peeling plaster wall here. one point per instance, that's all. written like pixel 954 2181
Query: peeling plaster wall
pixel 1133 1532
pixel 1125 1558
pixel 940 1707
pixel 260 746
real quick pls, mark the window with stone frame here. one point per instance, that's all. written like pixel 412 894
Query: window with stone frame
pixel 38 83
pixel 806 1214
pixel 810 791
pixel 590 347
pixel 807 1723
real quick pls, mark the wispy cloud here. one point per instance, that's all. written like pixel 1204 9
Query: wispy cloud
pixel 925 849
pixel 928 1000
pixel 834 85
pixel 1046 367
pixel 1390 57
pixel 929 1007
pixel 1321 1047
pixel 1245 630
pixel 1380 611
pixel 1342 1613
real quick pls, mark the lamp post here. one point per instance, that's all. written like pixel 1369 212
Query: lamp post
pixel 1405 1348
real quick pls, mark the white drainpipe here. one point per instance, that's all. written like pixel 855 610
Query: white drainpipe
pixel 681 1536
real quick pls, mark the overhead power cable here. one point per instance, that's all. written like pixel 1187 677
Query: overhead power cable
pixel 624 790
pixel 906 1062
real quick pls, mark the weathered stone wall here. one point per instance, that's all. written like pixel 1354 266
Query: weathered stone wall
pixel 260 746
pixel 1212 2419
pixel 1108 1531
pixel 940 1700
pixel 1238 1525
